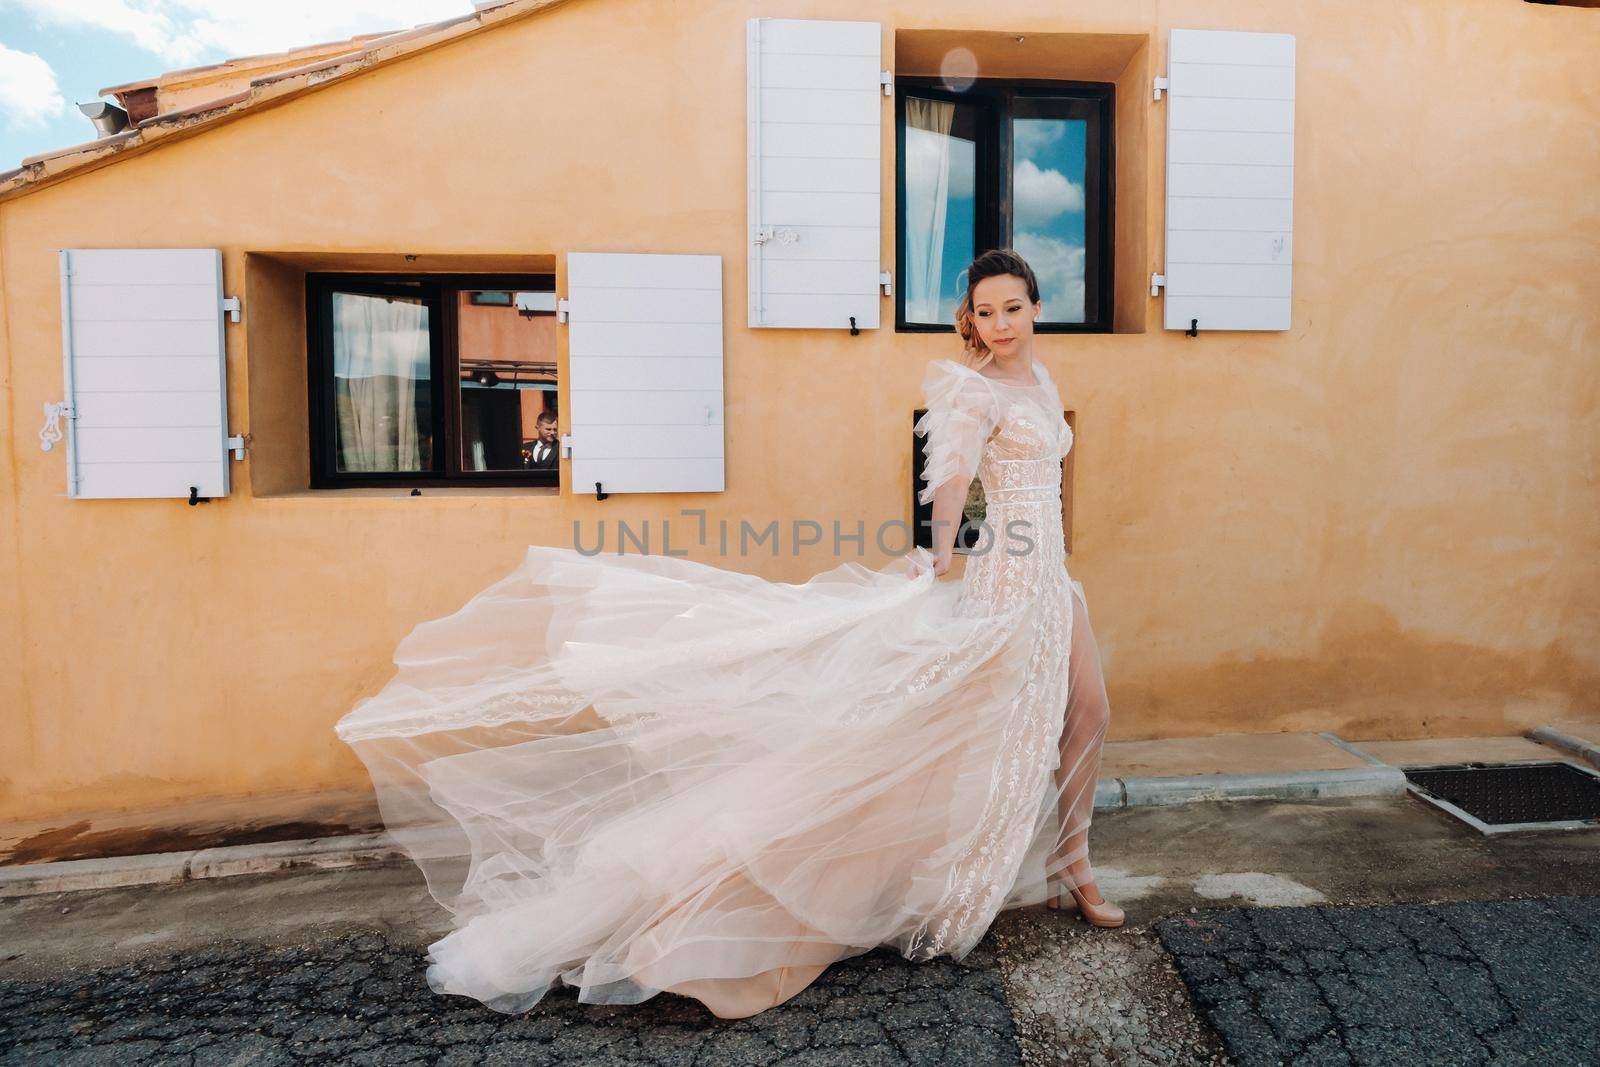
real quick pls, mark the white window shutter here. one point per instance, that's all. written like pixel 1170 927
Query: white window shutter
pixel 645 347
pixel 1230 180
pixel 814 116
pixel 146 372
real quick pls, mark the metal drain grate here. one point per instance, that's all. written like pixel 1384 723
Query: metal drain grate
pixel 1505 795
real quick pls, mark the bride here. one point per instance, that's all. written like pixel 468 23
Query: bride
pixel 638 774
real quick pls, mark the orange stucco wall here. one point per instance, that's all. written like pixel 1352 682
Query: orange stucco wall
pixel 1384 522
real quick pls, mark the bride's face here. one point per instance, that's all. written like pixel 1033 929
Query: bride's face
pixel 1004 314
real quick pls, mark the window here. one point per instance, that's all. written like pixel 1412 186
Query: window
pixel 1018 164
pixel 430 380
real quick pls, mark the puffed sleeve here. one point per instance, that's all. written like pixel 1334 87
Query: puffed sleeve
pixel 961 414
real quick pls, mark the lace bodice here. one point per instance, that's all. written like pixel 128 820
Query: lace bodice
pixel 1013 438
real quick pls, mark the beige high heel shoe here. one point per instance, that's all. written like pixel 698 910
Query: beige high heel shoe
pixel 1097 913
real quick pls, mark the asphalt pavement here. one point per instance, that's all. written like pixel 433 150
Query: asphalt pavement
pixel 1510 982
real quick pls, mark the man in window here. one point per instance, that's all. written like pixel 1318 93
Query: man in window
pixel 540 453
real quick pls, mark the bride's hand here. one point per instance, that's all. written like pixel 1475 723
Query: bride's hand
pixel 918 564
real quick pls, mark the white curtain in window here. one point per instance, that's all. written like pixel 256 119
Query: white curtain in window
pixel 928 125
pixel 380 353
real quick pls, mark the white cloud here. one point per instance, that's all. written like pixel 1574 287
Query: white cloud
pixel 196 31
pixel 139 22
pixel 924 158
pixel 1058 267
pixel 28 92
pixel 1041 195
pixel 1029 137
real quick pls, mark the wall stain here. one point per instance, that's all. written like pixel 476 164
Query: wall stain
pixel 1371 679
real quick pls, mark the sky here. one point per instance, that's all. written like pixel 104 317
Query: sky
pixel 1048 210
pixel 56 54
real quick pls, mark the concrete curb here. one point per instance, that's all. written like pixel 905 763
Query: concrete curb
pixel 1577 746
pixel 66 876
pixel 364 850
pixel 1367 757
pixel 1280 785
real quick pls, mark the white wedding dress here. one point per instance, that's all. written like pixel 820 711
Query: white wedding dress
pixel 637 773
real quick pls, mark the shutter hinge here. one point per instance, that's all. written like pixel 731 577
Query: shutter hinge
pixel 237 444
pixel 886 79
pixel 563 310
pixel 1156 282
pixel 231 305
pixel 782 234
pixel 51 432
pixel 886 280
pixel 1162 84
pixel 566 446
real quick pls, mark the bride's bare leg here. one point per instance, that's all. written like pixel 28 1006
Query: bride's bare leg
pixel 1082 741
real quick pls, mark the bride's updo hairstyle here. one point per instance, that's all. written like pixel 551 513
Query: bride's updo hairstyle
pixel 996 261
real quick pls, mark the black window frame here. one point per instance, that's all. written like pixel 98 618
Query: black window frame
pixel 995 99
pixel 439 292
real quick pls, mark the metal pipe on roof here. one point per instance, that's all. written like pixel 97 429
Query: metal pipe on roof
pixel 108 118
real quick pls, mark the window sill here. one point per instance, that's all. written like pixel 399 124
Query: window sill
pixel 1039 328
pixel 399 492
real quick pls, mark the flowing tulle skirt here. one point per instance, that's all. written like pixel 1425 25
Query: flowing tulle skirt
pixel 642 773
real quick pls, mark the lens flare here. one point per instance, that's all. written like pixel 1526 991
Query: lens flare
pixel 958 69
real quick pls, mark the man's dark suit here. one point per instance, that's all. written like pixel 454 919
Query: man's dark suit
pixel 551 459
